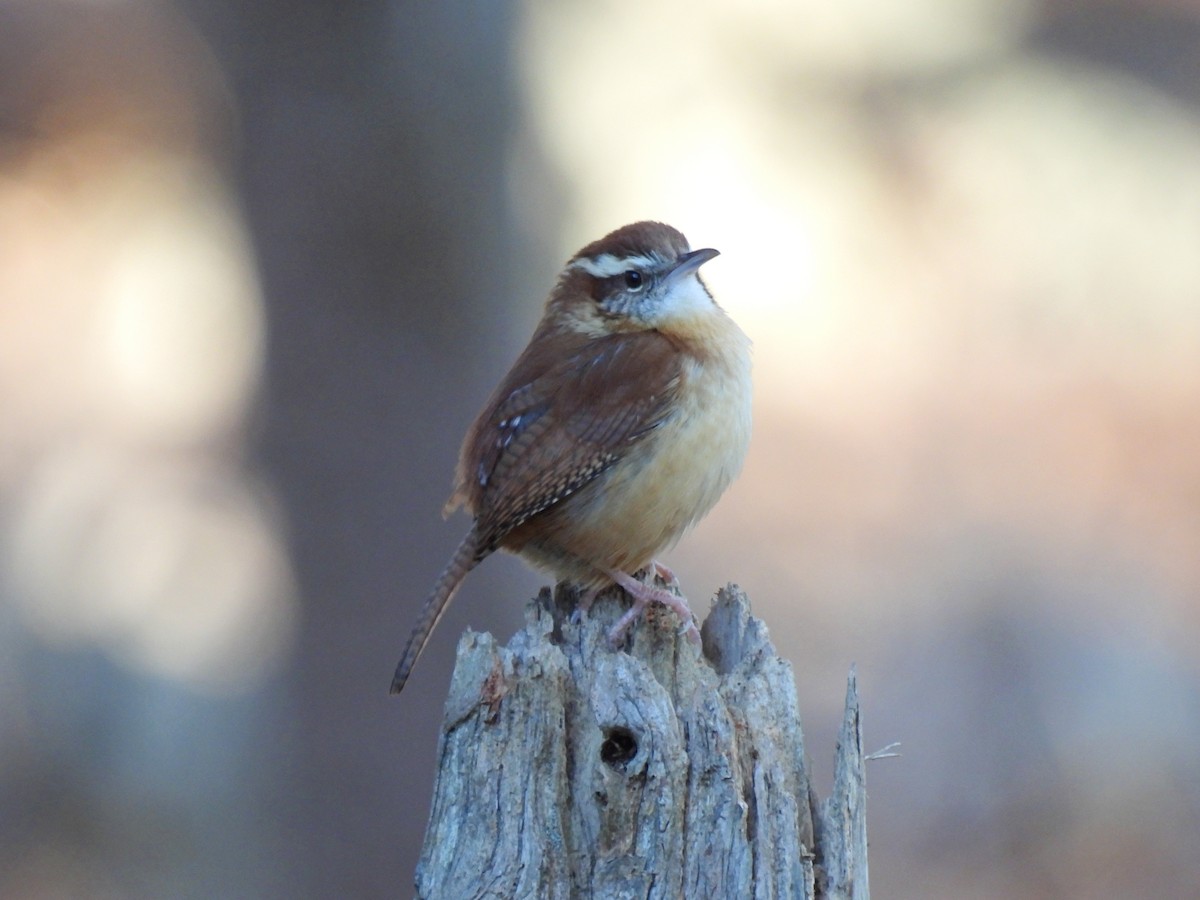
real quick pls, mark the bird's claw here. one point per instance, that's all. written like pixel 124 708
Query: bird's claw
pixel 643 595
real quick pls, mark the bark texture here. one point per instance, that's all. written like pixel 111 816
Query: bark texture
pixel 661 770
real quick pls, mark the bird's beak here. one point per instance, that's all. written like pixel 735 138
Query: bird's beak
pixel 690 262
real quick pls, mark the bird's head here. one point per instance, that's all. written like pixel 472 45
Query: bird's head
pixel 640 277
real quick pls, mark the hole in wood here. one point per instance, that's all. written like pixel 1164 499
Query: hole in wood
pixel 619 747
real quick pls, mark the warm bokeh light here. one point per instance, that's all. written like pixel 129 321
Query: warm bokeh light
pixel 131 347
pixel 171 567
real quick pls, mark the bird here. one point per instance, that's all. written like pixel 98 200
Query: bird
pixel 617 429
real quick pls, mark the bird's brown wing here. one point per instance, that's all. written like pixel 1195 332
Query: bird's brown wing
pixel 544 437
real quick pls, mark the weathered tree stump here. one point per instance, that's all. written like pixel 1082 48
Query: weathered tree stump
pixel 568 769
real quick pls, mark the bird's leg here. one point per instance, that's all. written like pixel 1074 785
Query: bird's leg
pixel 584 606
pixel 588 597
pixel 643 595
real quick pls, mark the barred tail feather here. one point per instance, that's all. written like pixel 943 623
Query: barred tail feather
pixel 465 558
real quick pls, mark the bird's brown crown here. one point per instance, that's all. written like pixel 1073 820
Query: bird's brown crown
pixel 640 239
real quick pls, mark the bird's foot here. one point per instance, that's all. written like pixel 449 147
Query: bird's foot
pixel 670 579
pixel 643 595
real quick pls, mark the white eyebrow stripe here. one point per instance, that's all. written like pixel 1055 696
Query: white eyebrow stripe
pixel 606 264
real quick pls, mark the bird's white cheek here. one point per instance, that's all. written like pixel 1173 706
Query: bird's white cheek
pixel 684 299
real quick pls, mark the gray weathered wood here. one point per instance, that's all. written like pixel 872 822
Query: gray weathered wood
pixel 568 769
pixel 841 821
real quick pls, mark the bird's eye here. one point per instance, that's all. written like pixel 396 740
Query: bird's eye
pixel 633 279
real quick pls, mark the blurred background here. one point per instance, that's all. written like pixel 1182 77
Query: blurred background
pixel 261 263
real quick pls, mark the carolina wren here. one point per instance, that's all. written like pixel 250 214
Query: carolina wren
pixel 618 428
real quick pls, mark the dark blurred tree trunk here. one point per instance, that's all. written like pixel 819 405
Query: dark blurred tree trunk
pixel 374 157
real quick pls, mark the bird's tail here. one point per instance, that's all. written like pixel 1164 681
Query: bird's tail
pixel 465 558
